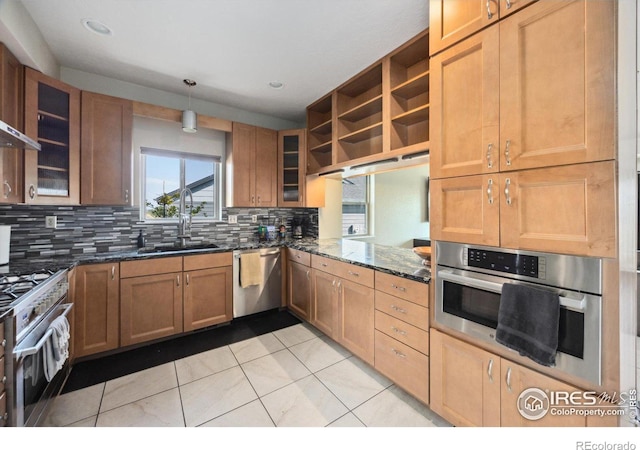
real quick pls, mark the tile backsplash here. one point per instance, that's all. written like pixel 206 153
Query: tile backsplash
pixel 94 229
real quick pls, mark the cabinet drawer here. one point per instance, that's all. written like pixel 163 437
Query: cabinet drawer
pixel 413 291
pixel 150 267
pixel 412 336
pixel 405 366
pixel 357 274
pixel 208 261
pixel 299 256
pixel 401 309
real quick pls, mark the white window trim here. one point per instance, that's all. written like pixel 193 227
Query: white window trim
pixel 370 196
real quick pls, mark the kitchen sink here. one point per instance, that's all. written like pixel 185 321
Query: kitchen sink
pixel 175 248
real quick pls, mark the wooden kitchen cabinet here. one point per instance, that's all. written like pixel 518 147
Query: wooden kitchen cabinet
pixel 208 290
pixel 252 167
pixel 105 150
pixel 320 134
pixel 324 303
pixel 150 299
pixel 96 308
pixel 473 387
pixel 465 382
pixel 452 21
pixel 52 116
pixel 356 319
pixel 402 333
pixel 299 289
pixel 535 90
pixel 292 163
pixel 512 209
pixel 11 112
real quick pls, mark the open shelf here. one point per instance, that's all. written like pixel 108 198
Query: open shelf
pixel 414 116
pixel 325 147
pixel 363 134
pixel 413 87
pixel 323 128
pixel 363 110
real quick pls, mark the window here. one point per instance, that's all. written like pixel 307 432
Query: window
pixel 166 173
pixel 355 206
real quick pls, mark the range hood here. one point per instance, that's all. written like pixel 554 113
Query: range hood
pixel 10 137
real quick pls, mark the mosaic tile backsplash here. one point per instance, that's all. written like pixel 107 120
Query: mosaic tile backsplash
pixel 97 229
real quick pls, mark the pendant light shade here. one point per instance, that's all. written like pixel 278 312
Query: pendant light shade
pixel 189 121
pixel 189 117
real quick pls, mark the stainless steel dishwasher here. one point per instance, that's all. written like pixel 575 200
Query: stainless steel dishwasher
pixel 259 297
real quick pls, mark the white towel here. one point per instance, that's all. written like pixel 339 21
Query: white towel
pixel 56 348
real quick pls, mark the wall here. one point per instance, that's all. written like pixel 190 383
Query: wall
pixel 92 229
pixel 110 86
pixel 330 217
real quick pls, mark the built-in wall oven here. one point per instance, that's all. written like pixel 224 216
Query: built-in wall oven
pixel 468 288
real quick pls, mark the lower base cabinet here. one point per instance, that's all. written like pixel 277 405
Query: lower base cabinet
pixel 96 308
pixel 473 387
pixel 356 319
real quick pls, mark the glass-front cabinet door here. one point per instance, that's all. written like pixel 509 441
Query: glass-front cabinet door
pixel 52 114
pixel 291 164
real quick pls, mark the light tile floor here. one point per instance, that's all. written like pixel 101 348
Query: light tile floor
pixel 292 377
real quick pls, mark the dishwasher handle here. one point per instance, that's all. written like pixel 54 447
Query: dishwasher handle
pixel 275 252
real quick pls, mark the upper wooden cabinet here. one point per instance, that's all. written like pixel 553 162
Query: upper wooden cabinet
pixel 536 90
pixel 12 113
pixel 252 167
pixel 105 150
pixel 450 21
pixel 380 114
pixel 52 116
pixel 513 209
pixel 291 168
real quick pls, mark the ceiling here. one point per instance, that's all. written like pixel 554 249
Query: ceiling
pixel 231 48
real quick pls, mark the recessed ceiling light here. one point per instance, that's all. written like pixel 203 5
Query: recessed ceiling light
pixel 97 27
pixel 276 84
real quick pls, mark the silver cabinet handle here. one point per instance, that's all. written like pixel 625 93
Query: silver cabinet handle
pixel 339 285
pixel 507 154
pixel 490 370
pixel 258 199
pixel 126 195
pixel 508 379
pixel 490 191
pixel 400 310
pixel 507 194
pixel 298 256
pixel 8 190
pixel 4 380
pixel 32 192
pixel 400 288
pixel 187 279
pixel 355 274
pixel 3 343
pixel 324 264
pixel 398 331
pixel 508 4
pixel 178 280
pixel 113 272
pixel 489 14
pixel 489 161
pixel 333 283
pixel 400 354
pixel 253 199
pixel 308 277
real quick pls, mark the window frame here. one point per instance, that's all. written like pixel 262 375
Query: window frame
pixel 182 157
pixel 368 204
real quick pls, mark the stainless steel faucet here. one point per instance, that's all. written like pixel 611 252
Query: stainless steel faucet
pixel 184 217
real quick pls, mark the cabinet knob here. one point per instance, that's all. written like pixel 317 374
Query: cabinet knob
pixel 7 191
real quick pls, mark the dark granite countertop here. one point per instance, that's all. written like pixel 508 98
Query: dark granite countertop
pixel 397 261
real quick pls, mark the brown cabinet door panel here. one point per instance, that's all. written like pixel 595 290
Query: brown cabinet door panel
pixel 299 287
pixel 96 308
pixel 324 302
pixel 151 307
pixel 208 297
pixel 468 210
pixel 465 102
pixel 105 150
pixel 356 321
pixel 557 84
pixel 242 167
pixel 266 168
pixel 568 209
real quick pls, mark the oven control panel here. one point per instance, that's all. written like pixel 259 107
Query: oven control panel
pixel 518 264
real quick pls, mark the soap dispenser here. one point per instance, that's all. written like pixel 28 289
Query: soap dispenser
pixel 140 240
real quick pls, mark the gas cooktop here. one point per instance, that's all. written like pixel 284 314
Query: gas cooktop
pixel 12 287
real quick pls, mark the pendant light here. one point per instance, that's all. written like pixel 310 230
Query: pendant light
pixel 189 118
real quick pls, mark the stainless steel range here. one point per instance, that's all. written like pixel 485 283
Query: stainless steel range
pixel 29 304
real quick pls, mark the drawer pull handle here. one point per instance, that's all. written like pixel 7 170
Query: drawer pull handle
pixel 113 273
pixel 400 288
pixel 400 354
pixel 507 194
pixel 187 280
pixel 489 161
pixel 400 310
pixel 355 274
pixel 178 280
pixel 399 331
pixel 3 343
pixel 308 278
pixel 490 191
pixel 324 264
pixel 507 152
pixel 508 379
pixel 508 4
pixel 489 13
pixel 4 380
pixel 298 256
pixel 490 370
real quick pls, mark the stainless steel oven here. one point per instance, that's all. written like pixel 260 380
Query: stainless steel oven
pixel 468 287
pixel 28 333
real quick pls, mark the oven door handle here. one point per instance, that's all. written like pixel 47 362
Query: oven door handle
pixel 22 352
pixel 579 304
